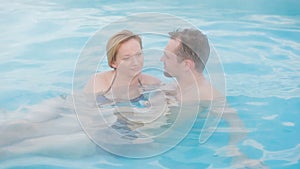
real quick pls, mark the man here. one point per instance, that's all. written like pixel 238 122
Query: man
pixel 184 58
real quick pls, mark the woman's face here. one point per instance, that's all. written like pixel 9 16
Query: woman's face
pixel 129 59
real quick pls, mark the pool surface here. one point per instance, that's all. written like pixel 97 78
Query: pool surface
pixel 257 43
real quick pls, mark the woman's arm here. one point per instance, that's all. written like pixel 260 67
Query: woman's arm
pixel 150 80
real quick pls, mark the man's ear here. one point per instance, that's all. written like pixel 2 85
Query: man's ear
pixel 189 64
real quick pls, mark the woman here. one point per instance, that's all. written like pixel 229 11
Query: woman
pixel 125 56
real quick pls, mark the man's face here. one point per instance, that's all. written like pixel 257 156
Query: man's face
pixel 171 66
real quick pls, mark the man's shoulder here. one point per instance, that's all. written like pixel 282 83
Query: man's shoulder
pixel 209 92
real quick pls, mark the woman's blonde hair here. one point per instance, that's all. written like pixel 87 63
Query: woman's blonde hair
pixel 115 42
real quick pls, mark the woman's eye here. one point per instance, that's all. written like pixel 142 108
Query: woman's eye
pixel 127 58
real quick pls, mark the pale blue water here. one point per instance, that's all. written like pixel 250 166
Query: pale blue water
pixel 257 42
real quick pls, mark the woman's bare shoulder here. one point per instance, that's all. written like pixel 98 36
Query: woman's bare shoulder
pixel 99 82
pixel 103 75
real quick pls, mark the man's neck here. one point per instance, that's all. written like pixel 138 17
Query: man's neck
pixel 190 79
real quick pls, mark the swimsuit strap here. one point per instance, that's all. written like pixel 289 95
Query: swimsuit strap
pixel 114 78
pixel 138 101
pixel 141 97
pixel 140 83
pixel 112 82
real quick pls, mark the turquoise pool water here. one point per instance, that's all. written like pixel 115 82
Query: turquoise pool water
pixel 257 42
